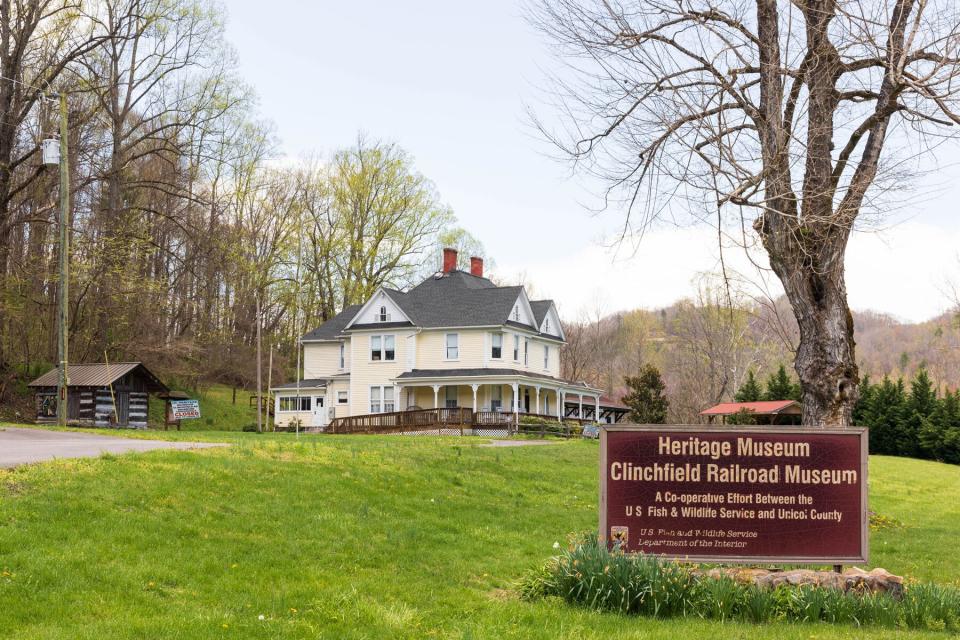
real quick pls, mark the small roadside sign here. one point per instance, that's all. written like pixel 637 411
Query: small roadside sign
pixel 184 409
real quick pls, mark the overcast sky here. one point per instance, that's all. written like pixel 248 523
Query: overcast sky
pixel 450 83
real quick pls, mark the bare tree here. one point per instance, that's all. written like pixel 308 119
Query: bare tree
pixel 770 115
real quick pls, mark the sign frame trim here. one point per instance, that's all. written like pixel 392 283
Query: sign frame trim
pixel 862 434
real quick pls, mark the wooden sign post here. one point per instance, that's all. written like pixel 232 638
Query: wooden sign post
pixel 784 495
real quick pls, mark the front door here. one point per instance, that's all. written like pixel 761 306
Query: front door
pixel 319 412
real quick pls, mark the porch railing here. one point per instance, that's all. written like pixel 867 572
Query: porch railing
pixel 402 421
pixel 451 420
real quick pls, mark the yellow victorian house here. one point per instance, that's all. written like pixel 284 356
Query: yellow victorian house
pixel 454 341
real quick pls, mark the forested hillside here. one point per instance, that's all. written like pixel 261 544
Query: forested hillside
pixel 705 348
pixel 187 231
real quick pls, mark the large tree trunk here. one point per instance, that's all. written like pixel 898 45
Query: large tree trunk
pixel 813 278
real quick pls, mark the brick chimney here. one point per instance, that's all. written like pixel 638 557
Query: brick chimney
pixel 476 266
pixel 449 260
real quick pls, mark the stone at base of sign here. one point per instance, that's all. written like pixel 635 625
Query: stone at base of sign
pixel 853 579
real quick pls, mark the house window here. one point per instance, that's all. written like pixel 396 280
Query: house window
pixel 381 399
pixel 382 348
pixel 289 403
pixel 388 403
pixel 496 349
pixel 516 313
pixel 546 356
pixel 342 397
pixel 382 315
pixel 343 356
pixel 526 352
pixel 546 325
pixel 453 346
pixel 516 348
pixel 496 398
pixel 451 396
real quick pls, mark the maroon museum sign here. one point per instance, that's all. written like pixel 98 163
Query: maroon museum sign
pixel 754 494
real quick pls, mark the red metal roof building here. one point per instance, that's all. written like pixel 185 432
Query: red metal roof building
pixel 764 412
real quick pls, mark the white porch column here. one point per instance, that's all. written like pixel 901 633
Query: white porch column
pixel 560 405
pixel 580 405
pixel 436 396
pixel 536 402
pixel 515 387
pixel 276 405
pixel 474 387
pixel 596 415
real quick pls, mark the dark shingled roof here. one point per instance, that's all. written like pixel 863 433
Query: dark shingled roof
pixel 444 373
pixel 333 327
pixel 454 299
pixel 99 375
pixel 457 299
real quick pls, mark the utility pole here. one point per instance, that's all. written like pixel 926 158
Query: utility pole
pixel 259 378
pixel 62 350
pixel 269 385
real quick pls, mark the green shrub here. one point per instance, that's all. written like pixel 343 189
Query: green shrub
pixel 590 575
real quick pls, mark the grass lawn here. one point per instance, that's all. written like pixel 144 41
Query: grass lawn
pixel 358 537
pixel 217 408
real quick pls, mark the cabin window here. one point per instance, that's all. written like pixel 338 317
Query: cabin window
pixel 450 396
pixel 453 346
pixel 496 348
pixel 516 348
pixel 289 403
pixel 381 399
pixel 382 315
pixel 546 356
pixel 496 398
pixel 343 355
pixel 342 397
pixel 382 348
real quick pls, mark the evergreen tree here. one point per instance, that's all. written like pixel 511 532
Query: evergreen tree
pixel 883 415
pixel 750 391
pixel 863 405
pixel 645 396
pixel 940 431
pixel 781 387
pixel 919 409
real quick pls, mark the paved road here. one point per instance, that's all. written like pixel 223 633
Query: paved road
pixel 23 446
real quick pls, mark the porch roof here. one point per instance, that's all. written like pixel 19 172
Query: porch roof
pixel 309 383
pixel 424 375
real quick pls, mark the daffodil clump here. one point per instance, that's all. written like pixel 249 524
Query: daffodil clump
pixel 589 574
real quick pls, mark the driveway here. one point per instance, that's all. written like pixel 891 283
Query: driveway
pixel 23 446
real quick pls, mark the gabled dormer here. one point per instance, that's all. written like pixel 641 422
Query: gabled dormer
pixel 548 318
pixel 380 310
pixel 522 313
